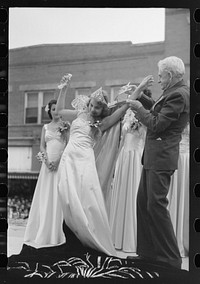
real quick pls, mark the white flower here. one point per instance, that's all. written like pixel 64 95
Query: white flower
pixel 95 124
pixel 64 81
pixel 64 126
pixel 130 121
pixel 41 156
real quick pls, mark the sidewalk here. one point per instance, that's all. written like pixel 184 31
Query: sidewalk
pixel 16 229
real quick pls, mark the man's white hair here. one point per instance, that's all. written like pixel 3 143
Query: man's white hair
pixel 173 65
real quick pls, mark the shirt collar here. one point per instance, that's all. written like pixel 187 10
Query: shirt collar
pixel 178 84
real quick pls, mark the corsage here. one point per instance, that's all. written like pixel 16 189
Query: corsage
pixel 135 125
pixel 41 157
pixel 95 124
pixel 130 121
pixel 64 126
pixel 95 130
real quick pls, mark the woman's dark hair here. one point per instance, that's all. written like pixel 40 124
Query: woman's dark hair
pixel 148 93
pixel 52 102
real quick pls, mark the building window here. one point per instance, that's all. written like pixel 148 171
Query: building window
pixel 82 91
pixel 114 94
pixel 31 108
pixel 35 103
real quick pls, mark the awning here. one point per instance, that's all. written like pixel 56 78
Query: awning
pixel 23 175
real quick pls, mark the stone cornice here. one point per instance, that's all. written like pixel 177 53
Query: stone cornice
pixel 83 54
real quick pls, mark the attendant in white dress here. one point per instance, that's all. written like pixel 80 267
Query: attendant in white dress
pixel 125 184
pixel 44 226
pixel 79 186
pixel 179 196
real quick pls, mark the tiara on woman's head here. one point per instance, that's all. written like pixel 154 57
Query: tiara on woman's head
pixel 80 103
pixel 98 95
pixel 128 87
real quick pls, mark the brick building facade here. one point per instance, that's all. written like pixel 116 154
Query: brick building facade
pixel 35 71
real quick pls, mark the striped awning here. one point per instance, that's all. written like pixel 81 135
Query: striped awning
pixel 23 175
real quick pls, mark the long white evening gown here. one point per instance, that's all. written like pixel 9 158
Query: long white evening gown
pixel 126 180
pixel 80 191
pixel 44 226
pixel 179 196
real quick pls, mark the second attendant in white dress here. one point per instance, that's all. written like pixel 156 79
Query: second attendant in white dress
pixel 126 180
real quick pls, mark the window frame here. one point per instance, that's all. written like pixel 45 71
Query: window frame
pixel 112 92
pixel 42 104
pixel 26 103
pixel 77 91
pixel 40 100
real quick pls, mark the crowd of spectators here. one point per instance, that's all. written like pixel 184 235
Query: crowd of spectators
pixel 18 207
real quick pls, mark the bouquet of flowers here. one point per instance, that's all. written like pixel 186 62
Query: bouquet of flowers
pixel 95 124
pixel 135 124
pixel 63 127
pixel 130 121
pixel 41 157
pixel 95 130
pixel 64 81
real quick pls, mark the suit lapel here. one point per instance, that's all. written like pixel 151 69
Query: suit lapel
pixel 168 91
pixel 160 99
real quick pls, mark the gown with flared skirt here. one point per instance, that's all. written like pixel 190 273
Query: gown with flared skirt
pixel 44 226
pixel 124 191
pixel 80 191
pixel 179 196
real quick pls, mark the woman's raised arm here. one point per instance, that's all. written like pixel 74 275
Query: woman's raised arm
pixel 146 82
pixel 67 114
pixel 110 120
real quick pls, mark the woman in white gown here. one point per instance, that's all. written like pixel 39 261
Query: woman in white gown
pixel 79 187
pixel 125 184
pixel 44 226
pixel 179 196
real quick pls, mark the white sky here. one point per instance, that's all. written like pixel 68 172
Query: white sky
pixel 33 26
